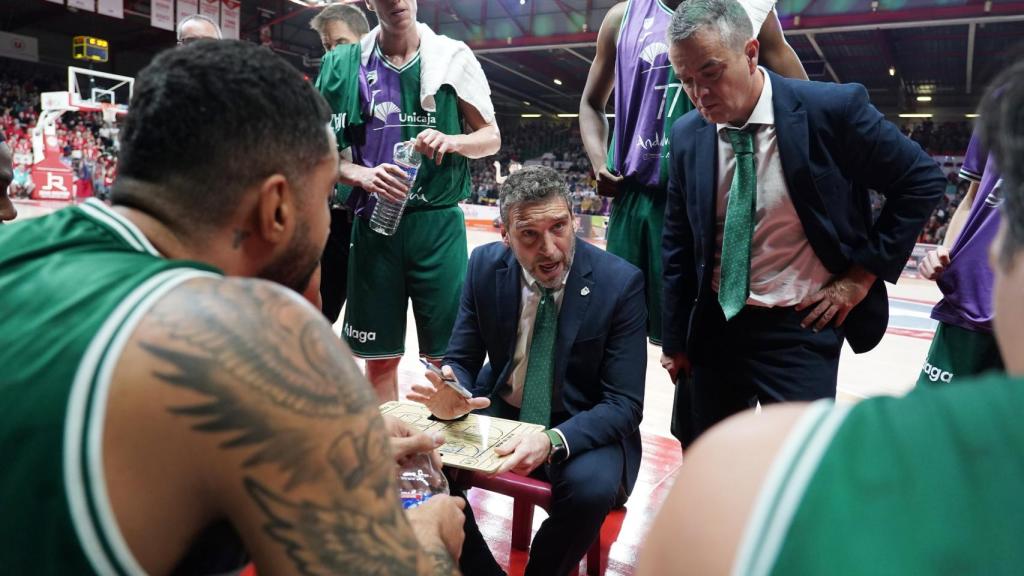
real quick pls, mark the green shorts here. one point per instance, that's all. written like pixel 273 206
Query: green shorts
pixel 425 261
pixel 957 352
pixel 634 234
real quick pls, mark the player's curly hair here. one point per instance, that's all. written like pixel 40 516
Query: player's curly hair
pixel 209 120
pixel 529 185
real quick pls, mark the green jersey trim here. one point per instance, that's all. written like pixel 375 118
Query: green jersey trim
pixel 669 11
pixel 415 58
pixel 784 487
pixel 622 24
pixel 119 225
pixel 84 482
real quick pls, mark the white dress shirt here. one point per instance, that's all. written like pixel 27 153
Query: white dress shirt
pixel 783 266
pixel 529 301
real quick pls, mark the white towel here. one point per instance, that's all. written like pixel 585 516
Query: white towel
pixel 444 61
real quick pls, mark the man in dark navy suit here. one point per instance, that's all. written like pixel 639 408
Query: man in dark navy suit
pixel 771 257
pixel 562 325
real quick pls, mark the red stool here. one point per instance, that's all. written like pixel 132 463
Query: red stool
pixel 528 492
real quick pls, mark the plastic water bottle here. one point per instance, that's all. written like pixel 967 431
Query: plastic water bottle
pixel 387 214
pixel 418 480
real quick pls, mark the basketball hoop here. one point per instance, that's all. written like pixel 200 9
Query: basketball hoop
pixel 109 112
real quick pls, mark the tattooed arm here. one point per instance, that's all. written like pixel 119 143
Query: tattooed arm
pixel 233 399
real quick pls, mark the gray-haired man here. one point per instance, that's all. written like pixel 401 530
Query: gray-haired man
pixel 771 258
pixel 913 485
pixel 337 25
pixel 197 27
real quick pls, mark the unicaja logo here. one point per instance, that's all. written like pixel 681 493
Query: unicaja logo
pixel 384 110
pixel 651 52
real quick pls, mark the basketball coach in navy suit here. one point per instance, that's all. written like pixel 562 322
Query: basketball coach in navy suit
pixel 562 325
pixel 771 257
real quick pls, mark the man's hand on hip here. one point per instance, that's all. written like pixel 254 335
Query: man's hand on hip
pixel 835 299
pixel 442 401
pixel 524 454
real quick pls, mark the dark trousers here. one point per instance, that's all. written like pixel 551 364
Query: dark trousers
pixel 763 356
pixel 583 490
pixel 334 264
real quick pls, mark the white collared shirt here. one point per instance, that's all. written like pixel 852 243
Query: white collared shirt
pixel 529 300
pixel 783 266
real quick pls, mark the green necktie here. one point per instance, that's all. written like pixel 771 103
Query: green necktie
pixel 540 367
pixel 734 286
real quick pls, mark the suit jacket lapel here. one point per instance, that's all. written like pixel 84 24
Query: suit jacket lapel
pixel 575 300
pixel 507 300
pixel 707 181
pixel 791 136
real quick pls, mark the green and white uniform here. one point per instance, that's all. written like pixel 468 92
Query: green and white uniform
pixel 924 484
pixel 75 285
pixel 425 261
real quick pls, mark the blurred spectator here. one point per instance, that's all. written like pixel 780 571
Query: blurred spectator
pixel 948 138
pixel 22 185
pixel 88 145
pixel 551 143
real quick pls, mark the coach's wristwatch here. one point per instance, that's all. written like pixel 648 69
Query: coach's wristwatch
pixel 559 452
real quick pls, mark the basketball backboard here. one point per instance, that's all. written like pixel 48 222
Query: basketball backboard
pixel 90 90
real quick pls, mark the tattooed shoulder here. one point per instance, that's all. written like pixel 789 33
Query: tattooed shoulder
pixel 267 377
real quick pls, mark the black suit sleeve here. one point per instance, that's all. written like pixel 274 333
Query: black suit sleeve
pixel 680 279
pixel 880 157
pixel 623 372
pixel 466 348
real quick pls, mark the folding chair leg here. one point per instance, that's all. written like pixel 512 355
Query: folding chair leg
pixel 522 524
pixel 596 559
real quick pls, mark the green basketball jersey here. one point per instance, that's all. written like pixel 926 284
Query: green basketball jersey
pixel 74 285
pixel 390 111
pixel 924 484
pixel 343 85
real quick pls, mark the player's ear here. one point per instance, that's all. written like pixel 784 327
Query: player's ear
pixel 752 51
pixel 275 211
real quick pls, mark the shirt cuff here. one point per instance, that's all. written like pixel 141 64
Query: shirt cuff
pixel 564 442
